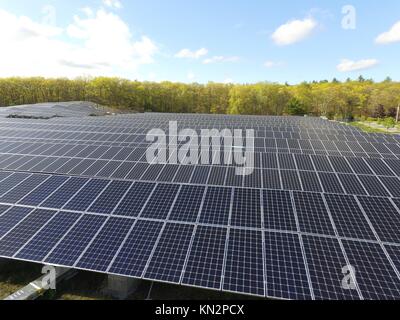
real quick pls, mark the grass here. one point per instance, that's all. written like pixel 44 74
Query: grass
pixel 366 128
pixel 15 275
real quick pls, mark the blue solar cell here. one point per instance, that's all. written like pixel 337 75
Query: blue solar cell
pixel 374 186
pixel 62 196
pixel 348 217
pixel 20 191
pixel 325 261
pixel 104 247
pixel 375 275
pixel 244 270
pixel 37 248
pixel 134 200
pixel 169 257
pixel 330 182
pixel 76 240
pixel 246 211
pixel 187 205
pixel 110 197
pixel 285 271
pixel 134 254
pixel 278 211
pixel 17 237
pixel 160 202
pixel 312 214
pixel 12 181
pixel 290 180
pixel 205 263
pixel 38 195
pixel 216 206
pixel 84 198
pixel 11 218
pixel 384 218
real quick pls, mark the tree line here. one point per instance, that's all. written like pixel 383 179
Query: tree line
pixel 333 99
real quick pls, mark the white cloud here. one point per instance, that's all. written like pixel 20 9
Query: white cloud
pixel 191 75
pixel 272 64
pixel 188 54
pixel 349 65
pixel 217 59
pixel 228 81
pixel 294 31
pixel 98 44
pixel 391 36
pixel 115 4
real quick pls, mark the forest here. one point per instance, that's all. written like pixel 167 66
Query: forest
pixel 360 98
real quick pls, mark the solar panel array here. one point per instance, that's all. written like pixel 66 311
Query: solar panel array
pixel 78 192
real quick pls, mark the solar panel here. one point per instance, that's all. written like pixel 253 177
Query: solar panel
pixel 348 217
pixel 70 247
pixel 103 248
pixel 160 202
pixel 326 269
pixel 312 215
pixel 132 258
pixel 375 275
pixel 205 263
pixel 244 274
pixel 169 257
pixel 278 211
pixel 246 210
pixel 41 244
pixel 322 196
pixel 283 256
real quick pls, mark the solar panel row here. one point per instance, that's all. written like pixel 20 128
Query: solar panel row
pixel 323 196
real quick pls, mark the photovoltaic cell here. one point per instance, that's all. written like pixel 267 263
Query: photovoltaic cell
pixel 110 197
pixel 312 214
pixel 39 194
pixel 12 181
pixel 244 271
pixel 285 271
pixel 348 217
pixel 310 181
pixel 351 184
pixel 169 257
pixel 134 254
pixel 187 205
pixel 246 210
pixel 375 276
pixel 160 202
pixel 216 206
pixel 278 211
pixel 11 218
pixel 290 180
pixel 77 239
pixel 330 182
pixel 85 196
pixel 41 244
pixel 104 247
pixel 325 261
pixel 373 186
pixel 62 195
pixel 384 218
pixel 205 263
pixel 20 191
pixel 17 237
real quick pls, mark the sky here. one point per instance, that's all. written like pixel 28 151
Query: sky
pixel 230 41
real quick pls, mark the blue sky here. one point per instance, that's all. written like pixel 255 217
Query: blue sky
pixel 201 41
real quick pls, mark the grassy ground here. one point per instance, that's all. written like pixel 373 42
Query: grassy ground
pixel 368 127
pixel 91 286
